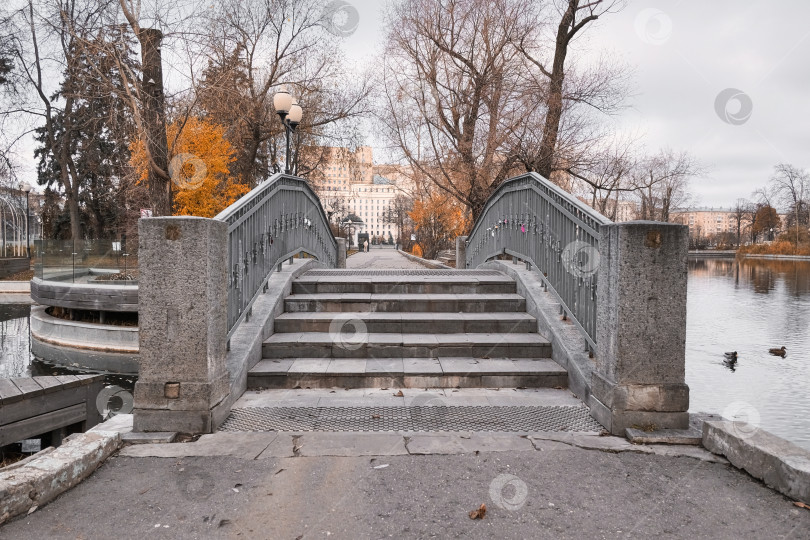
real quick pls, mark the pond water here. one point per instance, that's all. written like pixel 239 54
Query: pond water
pixel 751 306
pixel 16 359
pixel 744 306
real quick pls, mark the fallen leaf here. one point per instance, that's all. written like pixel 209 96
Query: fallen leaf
pixel 34 508
pixel 375 416
pixel 278 471
pixel 558 388
pixel 480 513
pixel 399 394
pixel 381 466
pixel 223 522
pixel 797 503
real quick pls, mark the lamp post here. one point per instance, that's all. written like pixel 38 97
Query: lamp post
pixel 290 113
pixel 26 187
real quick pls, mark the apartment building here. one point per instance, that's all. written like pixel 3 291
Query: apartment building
pixel 348 182
pixel 706 221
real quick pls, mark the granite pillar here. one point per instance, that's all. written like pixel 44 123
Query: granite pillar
pixel 638 380
pixel 182 315
pixel 461 252
pixel 341 252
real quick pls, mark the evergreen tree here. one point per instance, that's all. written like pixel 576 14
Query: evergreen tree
pixel 95 148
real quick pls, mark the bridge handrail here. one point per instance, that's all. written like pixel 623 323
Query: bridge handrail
pixel 276 220
pixel 530 218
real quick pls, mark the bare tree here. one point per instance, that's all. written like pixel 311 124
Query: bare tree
pixel 662 183
pixel 607 175
pixel 791 186
pixel 468 99
pixel 255 48
pixel 451 88
pixel 574 17
pixel 52 44
pixel 743 215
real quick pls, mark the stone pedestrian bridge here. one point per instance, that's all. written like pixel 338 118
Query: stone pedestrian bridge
pixel 547 293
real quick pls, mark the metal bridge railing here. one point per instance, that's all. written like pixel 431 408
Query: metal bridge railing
pixel 530 218
pixel 278 219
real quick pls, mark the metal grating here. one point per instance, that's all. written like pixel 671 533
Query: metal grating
pixel 372 273
pixel 414 418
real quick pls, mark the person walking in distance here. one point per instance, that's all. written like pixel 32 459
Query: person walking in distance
pixel 365 245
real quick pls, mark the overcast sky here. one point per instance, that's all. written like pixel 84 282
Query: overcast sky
pixel 685 54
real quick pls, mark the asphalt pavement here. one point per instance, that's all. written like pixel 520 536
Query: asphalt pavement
pixel 553 491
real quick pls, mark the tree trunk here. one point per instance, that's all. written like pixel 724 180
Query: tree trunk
pixel 154 117
pixel 75 225
pixel 555 97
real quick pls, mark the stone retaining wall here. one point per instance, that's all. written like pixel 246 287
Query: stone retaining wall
pixel 119 298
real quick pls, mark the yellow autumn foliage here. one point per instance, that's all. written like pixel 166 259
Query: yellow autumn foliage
pixel 199 166
pixel 438 219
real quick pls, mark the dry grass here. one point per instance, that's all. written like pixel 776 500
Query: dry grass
pixel 780 247
pixel 9 458
pixel 25 275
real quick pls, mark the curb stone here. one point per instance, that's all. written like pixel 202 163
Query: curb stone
pixel 39 481
pixel 780 464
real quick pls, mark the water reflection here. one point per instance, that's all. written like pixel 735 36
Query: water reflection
pixel 15 356
pixel 16 359
pixel 750 306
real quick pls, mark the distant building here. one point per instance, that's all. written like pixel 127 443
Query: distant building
pixel 348 182
pixel 706 221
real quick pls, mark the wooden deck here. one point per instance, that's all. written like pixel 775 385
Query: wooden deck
pixel 34 406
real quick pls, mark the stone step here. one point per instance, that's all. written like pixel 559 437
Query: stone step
pixel 407 373
pixel 406 323
pixel 425 303
pixel 494 284
pixel 361 345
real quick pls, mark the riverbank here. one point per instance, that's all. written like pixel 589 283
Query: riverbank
pixel 730 253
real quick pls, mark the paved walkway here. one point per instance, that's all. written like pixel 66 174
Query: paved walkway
pixel 358 485
pixel 374 485
pixel 381 259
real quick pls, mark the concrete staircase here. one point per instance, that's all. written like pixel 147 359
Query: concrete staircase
pixel 405 329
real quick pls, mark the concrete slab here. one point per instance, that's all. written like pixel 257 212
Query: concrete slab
pixel 351 444
pixel 347 366
pixel 281 447
pixel 272 366
pixel 454 443
pixel 151 437
pixel 421 366
pixel 309 365
pixel 384 365
pixel 692 436
pixel 239 445
pixel 120 423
